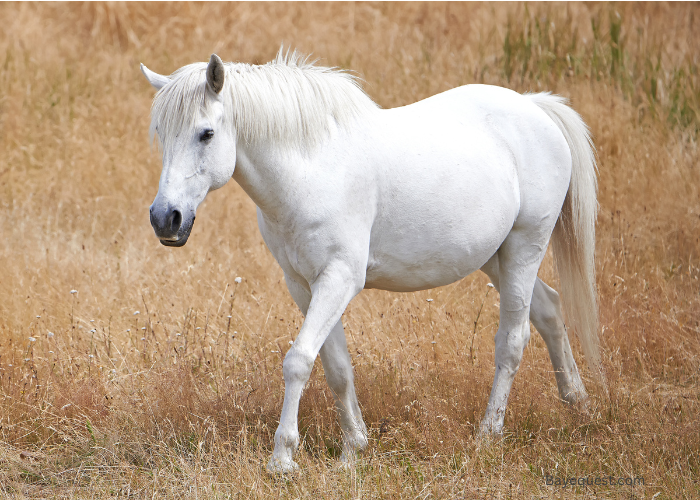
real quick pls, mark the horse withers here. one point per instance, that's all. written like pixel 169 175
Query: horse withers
pixel 351 196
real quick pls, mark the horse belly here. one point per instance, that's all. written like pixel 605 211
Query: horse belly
pixel 443 221
pixel 422 261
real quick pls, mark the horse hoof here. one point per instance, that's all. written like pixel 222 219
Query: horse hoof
pixel 277 466
pixel 348 459
pixel 575 397
pixel 585 406
pixel 487 434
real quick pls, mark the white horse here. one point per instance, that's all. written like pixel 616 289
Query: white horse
pixel 351 196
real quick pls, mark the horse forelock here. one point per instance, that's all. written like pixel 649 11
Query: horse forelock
pixel 288 101
pixel 176 105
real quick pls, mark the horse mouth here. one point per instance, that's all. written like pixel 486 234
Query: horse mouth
pixel 181 237
pixel 175 243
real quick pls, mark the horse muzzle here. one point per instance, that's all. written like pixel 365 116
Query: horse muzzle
pixel 172 226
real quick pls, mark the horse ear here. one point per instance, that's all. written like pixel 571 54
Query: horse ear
pixel 215 74
pixel 158 81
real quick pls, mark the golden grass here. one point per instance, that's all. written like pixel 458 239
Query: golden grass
pixel 118 404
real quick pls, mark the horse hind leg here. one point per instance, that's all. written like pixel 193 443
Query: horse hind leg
pixel 545 314
pixel 547 318
pixel 518 261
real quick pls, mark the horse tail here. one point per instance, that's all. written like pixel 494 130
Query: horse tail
pixel 574 234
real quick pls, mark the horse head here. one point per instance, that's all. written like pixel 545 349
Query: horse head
pixel 199 150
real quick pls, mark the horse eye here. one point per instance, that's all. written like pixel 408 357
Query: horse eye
pixel 206 135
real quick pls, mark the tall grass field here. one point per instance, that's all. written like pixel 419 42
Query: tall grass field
pixel 132 370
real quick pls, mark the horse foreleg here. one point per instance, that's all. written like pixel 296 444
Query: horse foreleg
pixel 338 370
pixel 329 295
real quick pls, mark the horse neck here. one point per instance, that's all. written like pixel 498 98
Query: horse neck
pixel 266 174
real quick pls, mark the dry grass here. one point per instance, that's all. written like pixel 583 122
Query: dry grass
pixel 179 401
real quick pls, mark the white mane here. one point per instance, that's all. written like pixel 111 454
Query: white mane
pixel 288 101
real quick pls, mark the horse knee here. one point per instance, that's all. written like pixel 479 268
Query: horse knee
pixel 297 366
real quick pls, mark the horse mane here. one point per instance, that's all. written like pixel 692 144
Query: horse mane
pixel 289 101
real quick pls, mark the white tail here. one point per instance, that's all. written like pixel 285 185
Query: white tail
pixel 574 235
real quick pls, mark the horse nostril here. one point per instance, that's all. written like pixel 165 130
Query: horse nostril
pixel 176 221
